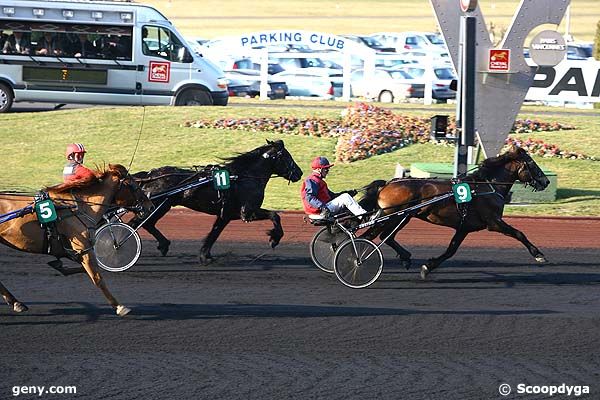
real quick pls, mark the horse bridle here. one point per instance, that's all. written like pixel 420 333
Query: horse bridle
pixel 533 172
pixel 130 183
pixel 276 157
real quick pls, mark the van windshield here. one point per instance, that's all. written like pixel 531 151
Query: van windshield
pixel 161 42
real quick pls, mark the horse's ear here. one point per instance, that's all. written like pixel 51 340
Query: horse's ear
pixel 269 142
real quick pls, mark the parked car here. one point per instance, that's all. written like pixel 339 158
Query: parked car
pixel 291 63
pixel 580 51
pixel 248 63
pixel 246 82
pixel 382 86
pixel 392 60
pixel 424 56
pixel 440 85
pixel 370 42
pixel 309 82
pixel 411 40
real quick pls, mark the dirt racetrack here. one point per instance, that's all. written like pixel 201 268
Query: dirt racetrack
pixel 265 324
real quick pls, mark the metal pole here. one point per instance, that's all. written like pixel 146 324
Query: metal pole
pixel 466 94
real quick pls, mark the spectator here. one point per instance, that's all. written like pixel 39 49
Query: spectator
pixel 49 45
pixel 17 43
pixel 83 47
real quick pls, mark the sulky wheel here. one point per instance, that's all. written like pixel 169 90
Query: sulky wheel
pixel 117 246
pixel 358 263
pixel 323 246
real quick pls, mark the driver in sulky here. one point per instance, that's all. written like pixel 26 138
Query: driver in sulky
pixel 74 169
pixel 317 199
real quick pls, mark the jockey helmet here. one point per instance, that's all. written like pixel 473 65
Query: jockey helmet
pixel 73 148
pixel 320 162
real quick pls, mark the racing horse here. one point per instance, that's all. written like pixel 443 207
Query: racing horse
pixel 242 201
pixel 491 182
pixel 79 207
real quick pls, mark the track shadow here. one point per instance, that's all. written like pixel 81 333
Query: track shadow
pixel 203 311
pixel 165 312
pixel 498 280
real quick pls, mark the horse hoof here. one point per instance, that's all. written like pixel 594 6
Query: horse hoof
pixel 164 249
pixel 205 260
pixel 541 259
pixel 123 311
pixel 424 272
pixel 19 307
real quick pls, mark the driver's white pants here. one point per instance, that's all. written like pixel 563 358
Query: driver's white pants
pixel 344 200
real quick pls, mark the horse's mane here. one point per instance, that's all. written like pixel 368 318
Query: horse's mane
pixel 99 174
pixel 490 164
pixel 244 158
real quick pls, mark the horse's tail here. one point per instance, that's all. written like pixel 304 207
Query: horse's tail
pixel 371 192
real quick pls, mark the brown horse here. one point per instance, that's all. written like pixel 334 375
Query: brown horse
pixel 80 206
pixel 491 182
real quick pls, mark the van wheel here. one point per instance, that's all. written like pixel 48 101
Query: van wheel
pixel 386 97
pixel 194 97
pixel 6 98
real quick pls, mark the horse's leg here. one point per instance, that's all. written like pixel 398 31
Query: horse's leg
pixel 276 233
pixel 499 225
pixel 433 263
pixel 403 254
pixel 150 227
pixel 88 260
pixel 383 231
pixel 213 235
pixel 16 305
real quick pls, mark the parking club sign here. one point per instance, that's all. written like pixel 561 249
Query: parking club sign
pixel 499 60
pixel 159 71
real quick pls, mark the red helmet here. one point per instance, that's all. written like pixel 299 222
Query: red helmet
pixel 74 148
pixel 320 162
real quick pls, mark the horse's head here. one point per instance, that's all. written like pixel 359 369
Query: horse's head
pixel 527 170
pixel 129 194
pixel 283 163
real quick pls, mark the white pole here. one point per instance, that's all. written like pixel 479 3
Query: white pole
pixel 347 70
pixel 429 77
pixel 568 37
pixel 264 74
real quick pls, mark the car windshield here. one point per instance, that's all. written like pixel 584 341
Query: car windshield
pixel 435 39
pixel 315 62
pixel 371 41
pixel 400 75
pixel 444 73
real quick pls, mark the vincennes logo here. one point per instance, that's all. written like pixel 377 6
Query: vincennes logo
pixel 159 71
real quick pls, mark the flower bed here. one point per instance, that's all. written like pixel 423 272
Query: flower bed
pixel 540 148
pixel 365 130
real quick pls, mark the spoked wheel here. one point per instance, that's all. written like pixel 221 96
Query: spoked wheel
pixel 358 263
pixel 323 246
pixel 117 246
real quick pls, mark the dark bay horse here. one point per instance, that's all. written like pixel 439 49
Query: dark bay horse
pixel 242 201
pixel 492 183
pixel 92 197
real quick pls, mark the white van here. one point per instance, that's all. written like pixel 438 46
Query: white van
pixel 100 52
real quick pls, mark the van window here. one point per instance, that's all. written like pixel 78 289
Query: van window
pixel 66 40
pixel 161 42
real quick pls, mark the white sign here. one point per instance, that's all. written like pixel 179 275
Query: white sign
pixel 571 80
pixel 271 38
